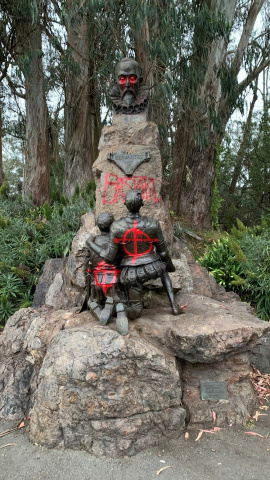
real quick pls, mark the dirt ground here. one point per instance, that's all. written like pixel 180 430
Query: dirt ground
pixel 229 454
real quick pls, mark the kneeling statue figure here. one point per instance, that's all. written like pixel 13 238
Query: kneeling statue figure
pixel 140 244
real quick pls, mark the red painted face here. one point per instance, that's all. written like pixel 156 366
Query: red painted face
pixel 128 80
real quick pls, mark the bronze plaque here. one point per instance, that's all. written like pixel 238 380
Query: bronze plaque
pixel 128 162
pixel 214 391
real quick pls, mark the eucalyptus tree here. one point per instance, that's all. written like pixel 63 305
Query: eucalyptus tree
pixel 221 41
pixel 191 53
pixel 92 31
pixel 21 42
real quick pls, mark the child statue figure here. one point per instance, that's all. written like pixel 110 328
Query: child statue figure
pixel 144 256
pixel 102 278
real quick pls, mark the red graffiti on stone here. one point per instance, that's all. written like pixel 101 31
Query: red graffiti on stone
pixel 115 188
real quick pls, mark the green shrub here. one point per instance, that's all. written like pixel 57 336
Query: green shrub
pixel 241 262
pixel 28 237
pixel 4 189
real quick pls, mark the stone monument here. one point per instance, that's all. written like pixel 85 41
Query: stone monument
pixel 84 385
pixel 129 155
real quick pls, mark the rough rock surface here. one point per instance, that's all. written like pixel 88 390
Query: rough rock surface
pixel 65 288
pixel 241 398
pixel 112 183
pixel 209 331
pixel 260 354
pixel 88 387
pixel 52 267
pixel 105 393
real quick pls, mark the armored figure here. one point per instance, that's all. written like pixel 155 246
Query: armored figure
pixel 128 95
pixel 145 255
pixel 102 278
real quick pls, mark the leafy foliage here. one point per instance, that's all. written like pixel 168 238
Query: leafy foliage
pixel 250 198
pixel 241 263
pixel 216 199
pixel 28 237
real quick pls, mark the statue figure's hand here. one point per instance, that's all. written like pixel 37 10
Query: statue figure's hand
pixel 171 268
pixel 91 238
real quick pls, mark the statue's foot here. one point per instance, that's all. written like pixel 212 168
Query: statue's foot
pixel 94 309
pixel 107 311
pixel 176 309
pixel 121 319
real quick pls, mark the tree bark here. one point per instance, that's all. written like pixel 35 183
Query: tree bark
pixel 82 113
pixel 158 110
pixel 192 177
pixel 36 170
pixel 192 173
pixel 141 41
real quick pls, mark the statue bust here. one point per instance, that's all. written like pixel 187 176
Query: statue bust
pixel 128 95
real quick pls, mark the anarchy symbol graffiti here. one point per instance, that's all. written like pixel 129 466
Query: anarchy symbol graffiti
pixel 136 243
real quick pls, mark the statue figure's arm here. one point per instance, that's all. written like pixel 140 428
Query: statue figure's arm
pixel 162 250
pixel 109 253
pixel 87 260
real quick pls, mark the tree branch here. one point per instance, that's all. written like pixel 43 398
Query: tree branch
pixel 231 52
pixel 57 44
pixel 253 75
pixel 13 88
pixel 247 30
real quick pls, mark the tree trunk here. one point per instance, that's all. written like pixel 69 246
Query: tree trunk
pixel 158 110
pixel 36 170
pixel 53 134
pixel 141 42
pixel 192 172
pixel 82 113
pixel 192 175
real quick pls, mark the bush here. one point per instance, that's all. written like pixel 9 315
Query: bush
pixel 240 262
pixel 28 237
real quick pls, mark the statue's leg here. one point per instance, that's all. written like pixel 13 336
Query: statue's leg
pixel 167 284
pixel 135 299
pixel 121 319
pixel 107 311
pixel 96 295
pixel 94 309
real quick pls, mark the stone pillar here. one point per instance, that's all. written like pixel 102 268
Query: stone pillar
pixel 131 134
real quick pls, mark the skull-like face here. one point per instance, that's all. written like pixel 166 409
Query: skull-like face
pixel 128 77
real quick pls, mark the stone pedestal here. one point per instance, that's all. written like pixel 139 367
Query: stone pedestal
pixel 87 387
pixel 131 137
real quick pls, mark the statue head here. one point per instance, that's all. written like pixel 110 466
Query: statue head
pixel 128 77
pixel 104 221
pixel 134 201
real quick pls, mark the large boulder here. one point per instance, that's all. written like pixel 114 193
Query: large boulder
pixel 105 393
pixel 85 386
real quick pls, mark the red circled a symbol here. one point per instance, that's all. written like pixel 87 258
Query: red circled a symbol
pixel 132 237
